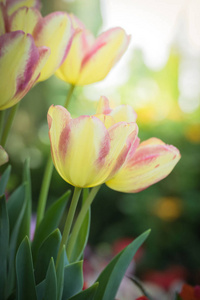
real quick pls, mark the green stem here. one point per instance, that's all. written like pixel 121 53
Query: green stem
pixel 80 219
pixel 9 124
pixel 48 174
pixel 71 90
pixel 44 190
pixel 69 220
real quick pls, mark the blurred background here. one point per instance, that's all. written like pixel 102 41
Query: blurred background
pixel 159 76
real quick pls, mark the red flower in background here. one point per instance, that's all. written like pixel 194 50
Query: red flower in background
pixel 142 298
pixel 189 292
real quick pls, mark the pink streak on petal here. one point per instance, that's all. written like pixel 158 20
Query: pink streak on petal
pixel 63 141
pixel 92 52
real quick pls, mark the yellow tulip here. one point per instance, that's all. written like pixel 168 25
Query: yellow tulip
pixel 90 60
pixel 151 162
pixel 3 156
pixel 90 150
pixel 85 152
pixel 20 64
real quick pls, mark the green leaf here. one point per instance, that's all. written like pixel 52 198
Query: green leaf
pixel 4 180
pixel 24 272
pixel 51 282
pixel 26 221
pixel 16 214
pixel 49 223
pixel 110 279
pixel 83 234
pixel 4 243
pixel 14 205
pixel 88 294
pixel 40 288
pixel 48 250
pixel 60 273
pixel 73 279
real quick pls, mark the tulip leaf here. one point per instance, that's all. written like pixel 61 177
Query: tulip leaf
pixel 82 236
pixel 40 288
pixel 4 243
pixel 60 273
pixel 16 214
pixel 48 250
pixel 24 272
pixel 51 282
pixel 88 294
pixel 110 278
pixel 73 279
pixel 4 180
pixel 26 221
pixel 49 223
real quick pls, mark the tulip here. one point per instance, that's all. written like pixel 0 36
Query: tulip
pixel 13 5
pixel 54 31
pixel 90 60
pixel 151 162
pixel 20 63
pixel 90 150
pixel 85 152
pixel 3 156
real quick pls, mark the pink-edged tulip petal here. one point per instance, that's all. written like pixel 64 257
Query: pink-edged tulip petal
pixel 120 113
pixel 3 156
pixel 20 63
pixel 84 152
pixel 106 51
pixel 152 161
pixel 13 5
pixel 70 69
pixel 54 31
pixel 24 19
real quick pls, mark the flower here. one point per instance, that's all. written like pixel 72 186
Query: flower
pixel 189 292
pixel 89 59
pixel 90 150
pixel 44 46
pixel 20 63
pixel 3 156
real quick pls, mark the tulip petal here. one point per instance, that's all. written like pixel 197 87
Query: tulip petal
pixel 20 63
pixel 24 19
pixel 77 158
pixel 152 161
pixel 3 156
pixel 103 106
pixel 106 51
pixel 13 5
pixel 54 31
pixel 2 21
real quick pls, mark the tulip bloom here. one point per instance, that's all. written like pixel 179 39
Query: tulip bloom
pixel 20 63
pixel 90 150
pixel 90 60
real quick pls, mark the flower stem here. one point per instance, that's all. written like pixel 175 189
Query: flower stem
pixel 2 119
pixel 9 124
pixel 80 219
pixel 48 174
pixel 69 220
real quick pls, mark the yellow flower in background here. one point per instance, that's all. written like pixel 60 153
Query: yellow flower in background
pixel 90 150
pixel 32 47
pixel 85 151
pixel 20 64
pixel 89 59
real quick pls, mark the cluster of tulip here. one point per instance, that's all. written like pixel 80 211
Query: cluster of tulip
pixel 89 150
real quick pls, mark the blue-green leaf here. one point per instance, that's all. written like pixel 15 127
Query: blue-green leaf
pixel 110 279
pixel 48 250
pixel 40 288
pixel 88 294
pixel 24 272
pixel 49 223
pixel 4 180
pixel 73 279
pixel 60 273
pixel 4 242
pixel 51 282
